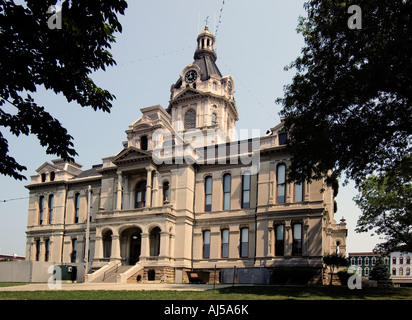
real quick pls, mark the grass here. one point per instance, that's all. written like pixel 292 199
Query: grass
pixel 232 293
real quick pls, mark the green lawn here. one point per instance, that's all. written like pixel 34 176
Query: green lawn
pixel 236 293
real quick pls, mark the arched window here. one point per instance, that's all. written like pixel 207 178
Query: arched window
pixel 281 183
pixel 244 242
pixel 43 177
pixel 51 204
pixel 226 191
pixel 408 260
pixel 225 243
pixel 190 119
pixel 140 194
pixel 41 210
pixel 246 190
pixel 166 196
pixel 76 207
pixel 394 271
pixel 408 271
pixel 214 119
pixel 401 271
pixel 366 261
pixel 279 240
pixel 155 242
pixel 107 243
pixel 52 176
pixel 206 244
pixel 143 143
pixel 208 193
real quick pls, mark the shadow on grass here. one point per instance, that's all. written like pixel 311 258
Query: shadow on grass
pixel 314 293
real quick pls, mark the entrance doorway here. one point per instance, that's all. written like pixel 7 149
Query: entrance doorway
pixel 135 247
pixel 131 244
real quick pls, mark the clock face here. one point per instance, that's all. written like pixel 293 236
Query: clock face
pixel 191 76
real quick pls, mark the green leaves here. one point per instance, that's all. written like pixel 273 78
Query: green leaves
pixel 386 204
pixel 349 106
pixel 61 60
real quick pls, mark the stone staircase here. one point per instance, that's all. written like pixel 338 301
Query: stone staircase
pixel 111 277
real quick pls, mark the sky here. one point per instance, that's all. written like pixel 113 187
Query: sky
pixel 255 40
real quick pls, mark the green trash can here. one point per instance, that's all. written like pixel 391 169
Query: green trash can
pixel 68 272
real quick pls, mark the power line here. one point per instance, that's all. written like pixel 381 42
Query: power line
pixel 8 200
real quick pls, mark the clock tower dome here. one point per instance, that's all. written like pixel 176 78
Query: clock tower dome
pixel 202 98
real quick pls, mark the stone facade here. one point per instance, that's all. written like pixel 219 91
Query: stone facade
pixel 182 194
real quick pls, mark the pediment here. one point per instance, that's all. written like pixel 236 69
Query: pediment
pixel 131 154
pixel 188 93
pixel 46 167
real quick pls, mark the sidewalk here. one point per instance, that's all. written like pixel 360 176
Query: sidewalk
pixel 114 286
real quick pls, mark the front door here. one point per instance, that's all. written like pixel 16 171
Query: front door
pixel 135 247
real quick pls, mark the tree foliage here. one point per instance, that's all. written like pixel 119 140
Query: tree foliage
pixel 60 60
pixel 380 274
pixel 348 108
pixel 386 204
pixel 334 261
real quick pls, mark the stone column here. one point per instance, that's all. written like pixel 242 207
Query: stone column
pixel 156 194
pixel 145 246
pixel 119 190
pixel 149 187
pixel 98 247
pixel 288 238
pixel 164 244
pixel 115 248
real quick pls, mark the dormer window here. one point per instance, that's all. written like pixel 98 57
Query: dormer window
pixel 143 142
pixel 52 176
pixel 43 177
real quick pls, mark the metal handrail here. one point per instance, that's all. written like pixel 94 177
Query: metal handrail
pixel 110 271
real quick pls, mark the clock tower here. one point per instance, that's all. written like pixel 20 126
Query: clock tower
pixel 202 98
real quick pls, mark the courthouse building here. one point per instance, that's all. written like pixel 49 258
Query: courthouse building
pixel 182 194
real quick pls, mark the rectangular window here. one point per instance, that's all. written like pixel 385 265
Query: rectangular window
pixel 47 249
pixel 76 207
pixel 282 139
pixel 297 239
pixel 51 201
pixel 208 194
pixel 41 210
pixel 225 243
pixel 281 183
pixel 246 190
pixel 298 192
pixel 279 240
pixel 37 250
pixel 206 244
pixel 74 250
pixel 244 243
pixel 226 191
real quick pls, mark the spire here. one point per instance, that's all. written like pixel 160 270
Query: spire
pixel 205 42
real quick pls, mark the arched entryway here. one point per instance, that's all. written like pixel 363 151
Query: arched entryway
pixel 131 244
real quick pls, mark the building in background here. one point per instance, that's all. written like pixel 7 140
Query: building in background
pixel 363 262
pixel 400 268
pixel 183 194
